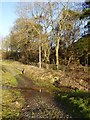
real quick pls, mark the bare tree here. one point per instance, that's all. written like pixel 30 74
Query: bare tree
pixel 48 15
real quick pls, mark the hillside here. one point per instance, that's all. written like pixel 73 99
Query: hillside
pixel 37 93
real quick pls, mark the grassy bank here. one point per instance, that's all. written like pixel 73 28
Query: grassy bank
pixel 76 102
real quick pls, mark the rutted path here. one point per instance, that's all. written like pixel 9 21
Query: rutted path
pixel 38 103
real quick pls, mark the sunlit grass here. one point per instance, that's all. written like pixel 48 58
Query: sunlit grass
pixel 8 79
pixel 12 102
pixel 8 73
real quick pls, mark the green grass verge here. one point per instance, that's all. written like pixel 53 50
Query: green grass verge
pixel 76 102
pixel 8 79
pixel 8 72
pixel 12 102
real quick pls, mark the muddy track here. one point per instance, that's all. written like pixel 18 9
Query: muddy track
pixel 38 102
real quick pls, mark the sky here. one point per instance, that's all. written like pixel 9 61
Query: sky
pixel 8 15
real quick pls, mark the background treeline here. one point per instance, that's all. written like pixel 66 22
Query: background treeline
pixel 50 33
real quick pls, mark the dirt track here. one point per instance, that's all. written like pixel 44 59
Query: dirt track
pixel 38 102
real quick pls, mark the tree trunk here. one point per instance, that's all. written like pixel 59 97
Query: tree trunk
pixel 70 59
pixel 57 55
pixel 46 58
pixel 39 55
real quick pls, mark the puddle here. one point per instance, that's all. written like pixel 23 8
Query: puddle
pixel 19 88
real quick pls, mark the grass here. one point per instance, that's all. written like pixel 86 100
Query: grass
pixel 8 73
pixel 8 79
pixel 12 100
pixel 77 102
pixel 11 104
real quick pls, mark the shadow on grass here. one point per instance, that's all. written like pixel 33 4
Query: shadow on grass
pixel 74 103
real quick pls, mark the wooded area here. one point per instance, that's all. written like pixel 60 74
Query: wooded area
pixel 50 33
pixel 46 62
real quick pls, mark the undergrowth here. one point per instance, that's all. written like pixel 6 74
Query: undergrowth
pixel 76 102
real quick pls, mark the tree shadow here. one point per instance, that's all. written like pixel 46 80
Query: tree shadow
pixel 64 102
